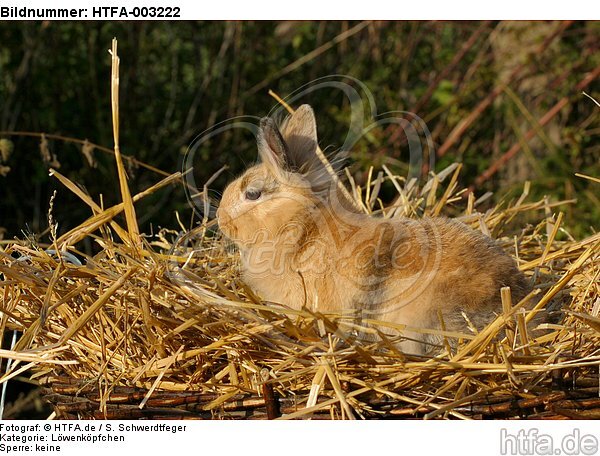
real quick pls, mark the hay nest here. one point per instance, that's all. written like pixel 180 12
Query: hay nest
pixel 162 326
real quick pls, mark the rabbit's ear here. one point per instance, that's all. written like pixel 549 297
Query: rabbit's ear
pixel 300 134
pixel 271 146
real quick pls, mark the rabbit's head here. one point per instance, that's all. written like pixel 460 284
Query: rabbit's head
pixel 283 188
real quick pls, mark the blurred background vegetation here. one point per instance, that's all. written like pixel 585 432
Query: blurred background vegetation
pixel 503 98
pixel 484 89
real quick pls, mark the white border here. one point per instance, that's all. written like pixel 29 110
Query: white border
pixel 305 438
pixel 346 10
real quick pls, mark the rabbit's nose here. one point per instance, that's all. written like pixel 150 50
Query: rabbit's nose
pixel 223 216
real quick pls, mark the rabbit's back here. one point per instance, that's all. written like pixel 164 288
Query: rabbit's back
pixel 419 273
pixel 462 271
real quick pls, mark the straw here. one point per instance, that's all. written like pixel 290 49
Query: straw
pixel 164 327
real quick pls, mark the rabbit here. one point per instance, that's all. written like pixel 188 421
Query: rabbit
pixel 304 246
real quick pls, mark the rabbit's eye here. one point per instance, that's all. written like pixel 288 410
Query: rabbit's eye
pixel 252 194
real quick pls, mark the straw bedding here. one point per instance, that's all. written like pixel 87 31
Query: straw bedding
pixel 162 326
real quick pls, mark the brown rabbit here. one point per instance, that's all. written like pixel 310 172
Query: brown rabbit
pixel 302 245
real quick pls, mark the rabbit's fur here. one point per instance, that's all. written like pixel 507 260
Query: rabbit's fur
pixel 303 245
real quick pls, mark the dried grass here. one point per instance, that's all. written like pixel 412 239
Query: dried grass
pixel 163 327
pixel 171 319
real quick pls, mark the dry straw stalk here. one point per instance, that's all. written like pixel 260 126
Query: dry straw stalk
pixel 163 327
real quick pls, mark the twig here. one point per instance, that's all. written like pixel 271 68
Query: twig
pixel 495 167
pixel 307 58
pixel 464 124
